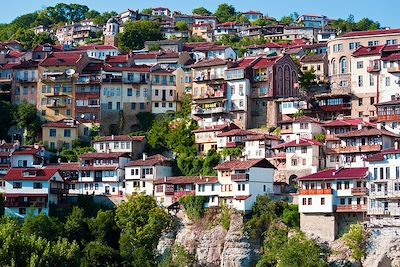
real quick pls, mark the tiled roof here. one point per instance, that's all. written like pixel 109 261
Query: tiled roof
pixel 303 142
pixel 55 48
pixel 381 155
pixel 368 50
pixel 187 180
pixel 96 47
pixel 111 155
pixel 392 57
pixel 149 161
pixel 252 12
pixel 220 127
pixel 60 124
pixel 367 131
pixel 26 151
pixel 27 64
pixel 244 164
pixel 136 68
pixel 313 58
pixel 301 119
pixel 209 63
pixel 257 137
pixel 74 166
pixel 117 59
pixel 120 138
pixel 391 48
pixel 340 174
pixel 347 122
pixel 390 102
pixel 111 167
pixel 145 56
pixel 62 59
pixel 266 62
pixel 369 33
pixel 236 132
pixel 16 174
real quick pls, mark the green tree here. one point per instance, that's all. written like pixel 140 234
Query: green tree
pixel 25 36
pixel 146 120
pixel 42 38
pixel 194 206
pixel 99 254
pixel 320 137
pixel 186 106
pixel 156 137
pixel 201 11
pixel 210 161
pixel 147 11
pixel 76 227
pixel 225 12
pixel 307 78
pixel 43 226
pixel 25 116
pixel 104 229
pixel 137 32
pixel 195 39
pixel 356 239
pixel 286 20
pixel 182 26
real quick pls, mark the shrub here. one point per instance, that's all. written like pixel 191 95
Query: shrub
pixel 194 206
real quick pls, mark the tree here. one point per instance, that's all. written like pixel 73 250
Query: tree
pixel 76 227
pixel 137 32
pixel 225 12
pixel 195 39
pixel 286 20
pixel 156 137
pixel 104 228
pixel 356 239
pixel 146 120
pixel 25 116
pixel 24 36
pixel 182 26
pixel 201 11
pixel 307 78
pixel 99 254
pixel 186 106
pixel 147 11
pixel 43 226
pixel 320 137
pixel 42 38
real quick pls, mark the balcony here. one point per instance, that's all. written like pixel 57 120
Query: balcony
pixel 351 208
pixel 56 79
pixel 201 111
pixel 374 66
pixel 135 81
pixel 336 108
pixel 234 144
pixel 56 105
pixel 331 137
pixel 359 191
pixel 58 191
pixel 287 131
pixel 88 80
pixel 393 69
pixel 316 192
pixel 112 80
pixel 240 177
pixel 394 117
pixel 26 80
pixel 354 149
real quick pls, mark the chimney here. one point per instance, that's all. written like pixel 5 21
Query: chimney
pixel 297 139
pixel 360 126
pixel 112 137
pixel 165 178
pixel 396 145
pixel 36 146
pixel 144 156
pixel 337 166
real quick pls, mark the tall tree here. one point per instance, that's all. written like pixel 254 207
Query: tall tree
pixel 137 32
pixel 225 12
pixel 201 11
pixel 25 116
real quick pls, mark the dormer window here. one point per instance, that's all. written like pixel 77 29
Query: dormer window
pixel 29 174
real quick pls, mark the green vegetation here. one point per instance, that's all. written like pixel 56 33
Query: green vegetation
pixel 177 257
pixel 147 11
pixel 226 214
pixel 225 12
pixel 25 116
pixel 356 239
pixel 182 26
pixel 307 78
pixel 349 24
pixel 194 206
pixel 125 237
pixel 320 137
pixel 201 11
pixel 137 32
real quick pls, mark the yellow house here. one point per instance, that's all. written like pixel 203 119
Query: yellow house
pixel 203 30
pixel 59 135
pixel 56 85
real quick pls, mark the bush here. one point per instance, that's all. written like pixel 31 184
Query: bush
pixel 225 217
pixel 194 206
pixel 356 240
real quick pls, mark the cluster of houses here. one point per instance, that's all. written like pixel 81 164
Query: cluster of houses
pixel 332 146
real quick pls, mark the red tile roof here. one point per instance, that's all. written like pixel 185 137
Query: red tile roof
pixel 29 64
pixel 55 48
pixel 258 137
pixel 145 56
pixel 242 197
pixel 120 138
pixel 26 151
pixel 62 59
pixel 236 132
pixel 266 62
pixel 65 166
pixel 244 164
pixel 303 142
pixel 187 180
pixel 313 58
pixel 221 127
pixel 368 50
pixel 209 63
pixel 96 47
pixel 301 119
pixel 392 57
pixel 369 33
pixel 340 174
pixel 136 68
pixel 390 102
pixel 367 131
pixel 117 59
pixel 111 167
pixel 381 155
pixel 391 48
pixel 16 174
pixel 60 124
pixel 347 122
pixel 149 161
pixel 111 155
pixel 252 12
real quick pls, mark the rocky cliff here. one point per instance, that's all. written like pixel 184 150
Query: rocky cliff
pixel 212 245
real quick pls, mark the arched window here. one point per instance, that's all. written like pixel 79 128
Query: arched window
pixel 343 65
pixel 334 67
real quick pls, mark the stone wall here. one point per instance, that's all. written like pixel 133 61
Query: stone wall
pixel 322 226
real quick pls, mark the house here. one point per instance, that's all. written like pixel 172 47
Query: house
pixel 134 145
pixel 141 174
pixel 384 188
pixel 227 28
pixel 211 51
pixel 102 173
pixel 303 156
pixel 252 15
pixel 28 157
pixel 161 11
pixel 260 146
pixel 313 20
pixel 388 115
pixel 205 137
pixel 26 78
pixel 211 20
pixel 331 200
pixel 233 138
pixel 32 190
pixel 6 150
pixel 241 181
pixel 60 134
pixel 203 30
pixel 318 63
pixel 99 51
pixel 304 126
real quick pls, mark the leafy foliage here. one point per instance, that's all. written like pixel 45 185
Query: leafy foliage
pixel 194 206
pixel 307 78
pixel 137 32
pixel 226 214
pixel 225 12
pixel 349 24
pixel 201 11
pixel 182 26
pixel 320 137
pixel 356 240
pixel 25 116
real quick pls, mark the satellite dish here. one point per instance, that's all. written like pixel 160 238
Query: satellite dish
pixel 82 116
pixel 70 72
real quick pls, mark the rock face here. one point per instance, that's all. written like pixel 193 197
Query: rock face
pixel 212 246
pixel 384 248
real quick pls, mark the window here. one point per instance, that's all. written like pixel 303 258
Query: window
pixel 22 211
pixel 96 186
pixel 309 201
pixel 156 92
pixel 56 112
pixel 387 81
pixel 133 106
pixel 138 92
pixel 141 106
pixel 343 65
pixel 371 80
pixel 118 105
pixel 37 185
pixel 156 105
pixel 68 112
pixel 339 185
pixel 17 185
pixel 129 92
pixel 171 92
pixel 346 185
pixel 360 101
pixel 372 100
pixel 322 201
pixel 360 81
pixel 304 201
pixel 303 149
pixel 397 172
pixel 53 132
pixel 387 172
pixel 109 105
pixel 354 46
pixel 373 43
pixel 67 133
pixel 360 64
pixel 170 105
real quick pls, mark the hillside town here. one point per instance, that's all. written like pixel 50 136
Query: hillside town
pixel 302 112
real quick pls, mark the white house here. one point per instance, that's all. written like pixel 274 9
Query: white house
pixel 99 51
pixel 304 126
pixel 134 145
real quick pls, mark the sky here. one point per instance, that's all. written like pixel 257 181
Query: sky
pixel 384 11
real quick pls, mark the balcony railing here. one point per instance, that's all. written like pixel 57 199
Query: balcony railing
pixel 354 149
pixel 331 137
pixel 374 67
pixel 287 131
pixel 200 111
pixel 359 191
pixel 234 144
pixel 240 177
pixel 394 117
pixel 316 192
pixel 135 81
pixel 351 208
pixel 56 105
pixel 55 79
pixel 58 191
pixel 24 204
pixel 26 80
